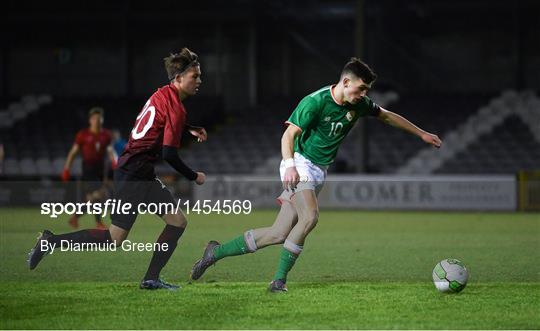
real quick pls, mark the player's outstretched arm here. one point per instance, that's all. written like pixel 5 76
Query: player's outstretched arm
pixel 291 177
pixel 69 161
pixel 401 122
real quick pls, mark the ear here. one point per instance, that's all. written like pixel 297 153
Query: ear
pixel 346 81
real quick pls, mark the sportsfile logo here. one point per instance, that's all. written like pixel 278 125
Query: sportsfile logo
pixel 118 207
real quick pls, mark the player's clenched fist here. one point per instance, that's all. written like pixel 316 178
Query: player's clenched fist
pixel 198 132
pixel 291 178
pixel 432 139
pixel 201 177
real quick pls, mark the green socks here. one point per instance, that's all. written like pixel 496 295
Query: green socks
pixel 245 243
pixel 237 246
pixel 286 262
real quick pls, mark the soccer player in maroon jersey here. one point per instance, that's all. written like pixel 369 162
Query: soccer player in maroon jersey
pixel 157 129
pixel 92 142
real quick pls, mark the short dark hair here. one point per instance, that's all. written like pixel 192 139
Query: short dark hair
pixel 177 63
pixel 95 110
pixel 360 69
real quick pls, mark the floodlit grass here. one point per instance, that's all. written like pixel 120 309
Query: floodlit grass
pixel 359 270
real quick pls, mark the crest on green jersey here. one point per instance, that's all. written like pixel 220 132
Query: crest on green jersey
pixel 350 115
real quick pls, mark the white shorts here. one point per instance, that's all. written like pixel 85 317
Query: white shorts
pixel 312 177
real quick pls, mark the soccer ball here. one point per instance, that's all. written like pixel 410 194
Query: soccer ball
pixel 450 275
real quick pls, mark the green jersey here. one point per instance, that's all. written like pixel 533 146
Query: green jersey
pixel 325 124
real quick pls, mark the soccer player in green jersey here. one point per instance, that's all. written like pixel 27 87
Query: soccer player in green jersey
pixel 309 145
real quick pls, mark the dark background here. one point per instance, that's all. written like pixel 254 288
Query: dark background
pixel 444 59
pixel 253 51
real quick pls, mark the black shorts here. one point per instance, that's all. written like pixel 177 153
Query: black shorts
pixel 92 178
pixel 133 190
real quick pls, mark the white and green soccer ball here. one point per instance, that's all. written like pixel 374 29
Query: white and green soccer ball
pixel 450 275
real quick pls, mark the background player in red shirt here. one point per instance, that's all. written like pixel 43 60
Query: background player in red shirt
pixel 158 128
pixel 92 142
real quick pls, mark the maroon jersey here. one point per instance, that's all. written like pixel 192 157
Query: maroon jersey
pixel 160 123
pixel 93 146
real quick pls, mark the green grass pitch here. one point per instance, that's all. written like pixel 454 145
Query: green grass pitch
pixel 359 270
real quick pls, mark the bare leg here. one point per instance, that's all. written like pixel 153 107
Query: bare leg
pixel 307 208
pixel 248 242
pixel 277 233
pixel 178 220
pixel 118 235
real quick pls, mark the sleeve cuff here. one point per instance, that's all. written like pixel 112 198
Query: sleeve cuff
pixel 376 111
pixel 291 123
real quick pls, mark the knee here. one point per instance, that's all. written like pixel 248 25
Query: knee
pixel 309 219
pixel 118 234
pixel 177 220
pixel 118 239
